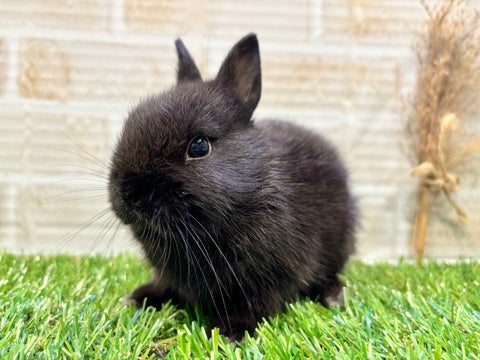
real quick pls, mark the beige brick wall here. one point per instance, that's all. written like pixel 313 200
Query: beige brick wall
pixel 3 65
pixel 70 71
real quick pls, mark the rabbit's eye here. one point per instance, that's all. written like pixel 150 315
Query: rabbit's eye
pixel 198 147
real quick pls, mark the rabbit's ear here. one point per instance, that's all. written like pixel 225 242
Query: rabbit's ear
pixel 187 70
pixel 241 71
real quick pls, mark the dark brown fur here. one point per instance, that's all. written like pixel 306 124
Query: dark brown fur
pixel 265 218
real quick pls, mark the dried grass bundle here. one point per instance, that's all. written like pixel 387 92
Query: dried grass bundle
pixel 442 126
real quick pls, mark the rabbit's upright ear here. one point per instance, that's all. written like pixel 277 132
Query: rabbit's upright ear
pixel 187 70
pixel 241 71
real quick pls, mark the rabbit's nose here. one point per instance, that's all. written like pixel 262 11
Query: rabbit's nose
pixel 144 192
pixel 137 190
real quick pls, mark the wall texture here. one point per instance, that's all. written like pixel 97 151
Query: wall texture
pixel 71 70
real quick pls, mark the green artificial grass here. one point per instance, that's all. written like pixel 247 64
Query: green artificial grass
pixel 68 307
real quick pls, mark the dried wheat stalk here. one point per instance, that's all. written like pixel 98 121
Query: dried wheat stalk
pixel 442 126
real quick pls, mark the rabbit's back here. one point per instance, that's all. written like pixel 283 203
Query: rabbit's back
pixel 312 183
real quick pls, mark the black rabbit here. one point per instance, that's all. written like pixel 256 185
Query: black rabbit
pixel 234 216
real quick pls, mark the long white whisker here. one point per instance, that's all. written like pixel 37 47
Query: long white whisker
pixel 185 238
pixel 199 267
pixel 156 244
pixel 80 169
pixel 221 286
pixel 90 158
pixel 77 230
pixel 107 227
pixel 225 259
pixel 125 98
pixel 86 199
pixel 114 235
pixel 100 233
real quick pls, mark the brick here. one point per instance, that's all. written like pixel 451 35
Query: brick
pixel 167 17
pixel 41 143
pixel 45 71
pixel 3 66
pixel 390 165
pixel 339 84
pixel 384 227
pixel 54 14
pixel 74 142
pixel 270 19
pixel 106 74
pixel 7 242
pixel 11 140
pixel 7 210
pixel 394 20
